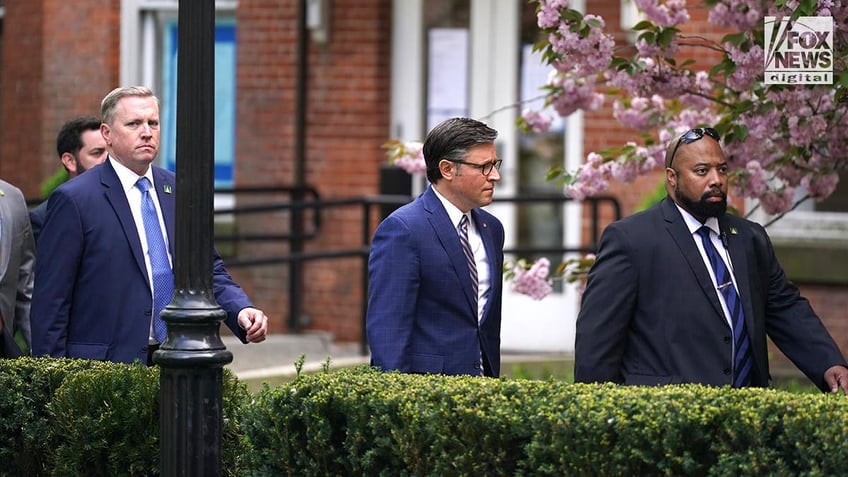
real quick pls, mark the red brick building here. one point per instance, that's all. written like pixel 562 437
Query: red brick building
pixel 374 69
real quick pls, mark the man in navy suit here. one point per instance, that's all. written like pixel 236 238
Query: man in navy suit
pixel 654 311
pixel 93 297
pixel 435 302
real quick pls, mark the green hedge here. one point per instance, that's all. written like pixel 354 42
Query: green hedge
pixel 80 417
pixel 362 422
pixel 77 417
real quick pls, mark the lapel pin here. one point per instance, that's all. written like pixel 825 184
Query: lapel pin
pixel 733 231
pixel 167 188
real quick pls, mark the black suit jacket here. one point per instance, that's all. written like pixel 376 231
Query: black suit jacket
pixel 651 313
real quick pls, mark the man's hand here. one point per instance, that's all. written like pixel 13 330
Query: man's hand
pixel 255 323
pixel 837 378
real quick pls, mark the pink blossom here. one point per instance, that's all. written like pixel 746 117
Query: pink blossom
pixel 743 15
pixel 777 201
pixel 537 121
pixel 533 281
pixel 409 156
pixel 820 186
pixel 672 13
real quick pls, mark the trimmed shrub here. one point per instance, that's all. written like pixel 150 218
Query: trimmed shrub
pixel 26 426
pixel 82 417
pixel 363 422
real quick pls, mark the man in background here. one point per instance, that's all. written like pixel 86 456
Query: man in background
pixel 436 264
pixel 80 147
pixel 17 254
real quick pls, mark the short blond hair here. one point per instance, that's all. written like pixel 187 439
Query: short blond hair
pixel 110 102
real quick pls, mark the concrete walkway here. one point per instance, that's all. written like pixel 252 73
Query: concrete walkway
pixel 275 357
pixel 277 354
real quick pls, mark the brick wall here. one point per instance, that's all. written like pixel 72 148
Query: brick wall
pixel 346 122
pixel 59 59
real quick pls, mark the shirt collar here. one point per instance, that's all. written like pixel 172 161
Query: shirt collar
pixel 127 177
pixel 453 212
pixel 693 224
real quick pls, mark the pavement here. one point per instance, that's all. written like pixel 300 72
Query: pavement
pixel 276 356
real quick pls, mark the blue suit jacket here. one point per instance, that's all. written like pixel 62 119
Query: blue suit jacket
pixel 92 297
pixel 422 315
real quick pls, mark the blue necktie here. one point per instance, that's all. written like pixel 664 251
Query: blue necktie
pixel 742 360
pixel 160 267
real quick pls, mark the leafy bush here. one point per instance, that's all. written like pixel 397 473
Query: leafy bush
pixel 26 425
pixel 81 417
pixel 363 422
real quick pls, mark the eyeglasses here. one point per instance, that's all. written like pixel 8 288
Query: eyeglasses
pixel 486 168
pixel 691 136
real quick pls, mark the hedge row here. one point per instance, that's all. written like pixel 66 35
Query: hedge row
pixel 361 422
pixel 75 417
pixel 80 417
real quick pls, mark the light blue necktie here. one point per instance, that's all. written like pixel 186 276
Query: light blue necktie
pixel 742 360
pixel 160 266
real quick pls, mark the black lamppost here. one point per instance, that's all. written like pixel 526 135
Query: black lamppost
pixel 193 356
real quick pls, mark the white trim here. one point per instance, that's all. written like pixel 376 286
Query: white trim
pixel 407 82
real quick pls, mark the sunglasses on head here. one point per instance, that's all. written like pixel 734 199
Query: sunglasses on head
pixel 691 136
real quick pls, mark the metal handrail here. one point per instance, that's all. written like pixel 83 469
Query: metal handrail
pixel 367 205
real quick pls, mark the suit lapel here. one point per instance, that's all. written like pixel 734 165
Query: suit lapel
pixel 485 233
pixel 5 233
pixel 449 238
pixel 676 227
pixel 114 192
pixel 739 268
pixel 165 192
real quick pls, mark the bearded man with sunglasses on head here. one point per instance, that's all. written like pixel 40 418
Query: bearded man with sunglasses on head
pixel 685 293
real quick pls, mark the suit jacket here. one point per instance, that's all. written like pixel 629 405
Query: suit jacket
pixel 422 312
pixel 92 298
pixel 17 255
pixel 651 313
pixel 36 218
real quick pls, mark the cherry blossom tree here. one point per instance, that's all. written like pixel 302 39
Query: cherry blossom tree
pixel 785 144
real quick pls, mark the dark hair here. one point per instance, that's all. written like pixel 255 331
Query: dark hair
pixel 69 138
pixel 450 140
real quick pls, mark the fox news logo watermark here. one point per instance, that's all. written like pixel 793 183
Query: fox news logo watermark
pixel 800 52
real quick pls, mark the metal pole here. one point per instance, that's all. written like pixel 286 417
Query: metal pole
pixel 193 355
pixel 296 267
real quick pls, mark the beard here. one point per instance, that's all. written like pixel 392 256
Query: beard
pixel 80 168
pixel 701 208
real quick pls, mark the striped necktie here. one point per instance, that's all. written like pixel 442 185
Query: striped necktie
pixel 742 361
pixel 469 255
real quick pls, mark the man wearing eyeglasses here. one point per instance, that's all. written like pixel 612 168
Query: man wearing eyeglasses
pixel 436 264
pixel 685 293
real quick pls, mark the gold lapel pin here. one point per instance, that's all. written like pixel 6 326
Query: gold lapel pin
pixel 167 188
